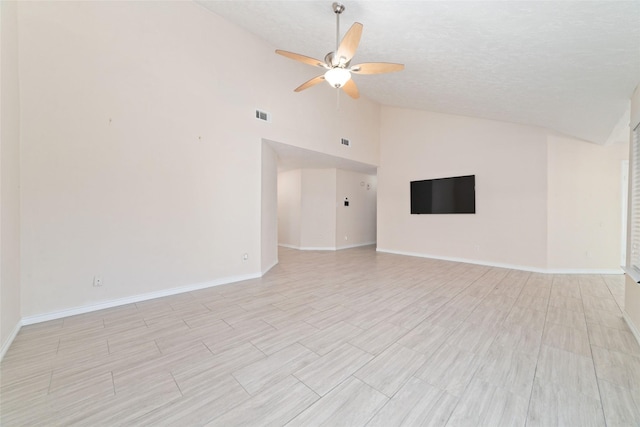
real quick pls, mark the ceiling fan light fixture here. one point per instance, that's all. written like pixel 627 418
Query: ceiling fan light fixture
pixel 337 77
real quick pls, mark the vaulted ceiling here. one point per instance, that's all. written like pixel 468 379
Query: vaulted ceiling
pixel 569 66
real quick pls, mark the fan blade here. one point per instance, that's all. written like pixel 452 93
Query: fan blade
pixel 351 89
pixel 376 68
pixel 314 81
pixel 349 43
pixel 302 58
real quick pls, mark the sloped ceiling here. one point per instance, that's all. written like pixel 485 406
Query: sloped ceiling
pixel 569 66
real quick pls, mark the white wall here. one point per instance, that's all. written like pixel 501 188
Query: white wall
pixel 269 209
pixel 632 288
pixel 9 176
pixel 318 209
pixel 584 204
pixel 289 205
pixel 355 224
pixel 141 156
pixel 311 211
pixel 509 162
pixel 543 202
pixel 635 108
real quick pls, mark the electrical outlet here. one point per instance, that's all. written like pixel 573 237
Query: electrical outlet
pixel 245 257
pixel 97 281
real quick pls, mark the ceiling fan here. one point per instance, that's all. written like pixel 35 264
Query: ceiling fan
pixel 338 63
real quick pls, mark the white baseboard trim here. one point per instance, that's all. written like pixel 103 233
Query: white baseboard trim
pixel 605 271
pixel 308 248
pixel 504 265
pixel 323 248
pixel 285 245
pixel 9 341
pixel 273 264
pixel 38 318
pixel 357 245
pixel 633 328
pixel 317 248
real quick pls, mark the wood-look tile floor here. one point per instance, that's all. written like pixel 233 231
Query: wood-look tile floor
pixel 351 338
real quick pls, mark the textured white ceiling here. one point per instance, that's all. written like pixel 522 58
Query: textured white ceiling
pixel 569 66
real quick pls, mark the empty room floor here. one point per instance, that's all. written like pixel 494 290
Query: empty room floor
pixel 353 338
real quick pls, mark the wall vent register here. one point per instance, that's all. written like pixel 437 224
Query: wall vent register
pixel 345 142
pixel 263 115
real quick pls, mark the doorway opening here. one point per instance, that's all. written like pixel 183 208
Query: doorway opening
pixel 315 201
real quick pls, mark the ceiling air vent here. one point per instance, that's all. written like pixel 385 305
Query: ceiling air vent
pixel 263 115
pixel 345 142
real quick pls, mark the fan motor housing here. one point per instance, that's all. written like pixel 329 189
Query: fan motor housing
pixel 332 61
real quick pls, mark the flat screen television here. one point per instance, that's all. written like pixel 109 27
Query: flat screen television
pixel 455 195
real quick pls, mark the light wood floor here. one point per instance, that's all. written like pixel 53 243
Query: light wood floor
pixel 340 338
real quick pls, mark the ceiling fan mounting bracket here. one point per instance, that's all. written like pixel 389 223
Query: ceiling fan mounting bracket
pixel 338 8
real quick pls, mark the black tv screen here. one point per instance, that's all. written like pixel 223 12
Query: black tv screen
pixel 456 195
